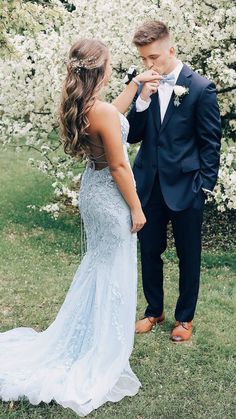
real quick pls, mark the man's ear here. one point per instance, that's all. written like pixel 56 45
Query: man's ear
pixel 172 50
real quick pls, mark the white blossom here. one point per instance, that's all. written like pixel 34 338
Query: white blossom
pixel 31 81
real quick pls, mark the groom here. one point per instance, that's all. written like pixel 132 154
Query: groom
pixel 176 167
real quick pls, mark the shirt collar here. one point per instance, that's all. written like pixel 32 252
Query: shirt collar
pixel 176 70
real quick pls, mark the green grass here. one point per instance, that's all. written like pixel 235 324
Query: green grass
pixel 38 257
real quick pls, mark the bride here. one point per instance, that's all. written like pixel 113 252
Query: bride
pixel 82 359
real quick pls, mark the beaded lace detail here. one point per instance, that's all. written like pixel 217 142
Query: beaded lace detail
pixel 82 359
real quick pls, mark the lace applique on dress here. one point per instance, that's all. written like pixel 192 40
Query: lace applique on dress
pixel 82 359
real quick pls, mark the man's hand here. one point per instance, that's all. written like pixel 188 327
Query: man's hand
pixel 148 89
pixel 150 78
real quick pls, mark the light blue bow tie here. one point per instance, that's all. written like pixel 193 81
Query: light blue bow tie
pixel 168 79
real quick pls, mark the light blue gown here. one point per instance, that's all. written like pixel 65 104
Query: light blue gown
pixel 82 359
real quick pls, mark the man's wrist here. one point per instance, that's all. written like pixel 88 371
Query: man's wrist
pixel 145 98
pixel 142 105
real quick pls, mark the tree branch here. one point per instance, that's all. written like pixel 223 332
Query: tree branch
pixel 34 148
pixel 226 89
pixel 209 5
pixel 42 113
pixel 229 115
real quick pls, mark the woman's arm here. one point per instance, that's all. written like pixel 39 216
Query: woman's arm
pixel 108 126
pixel 125 98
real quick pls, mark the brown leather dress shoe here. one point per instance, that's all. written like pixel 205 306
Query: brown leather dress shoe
pixel 146 324
pixel 181 332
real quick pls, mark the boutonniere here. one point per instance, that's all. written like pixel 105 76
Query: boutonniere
pixel 180 92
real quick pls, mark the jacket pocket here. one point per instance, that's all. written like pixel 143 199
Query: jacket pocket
pixel 189 164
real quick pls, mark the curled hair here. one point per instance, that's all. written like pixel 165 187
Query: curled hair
pixel 86 69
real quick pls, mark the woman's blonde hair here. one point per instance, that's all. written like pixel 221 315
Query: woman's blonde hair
pixel 86 70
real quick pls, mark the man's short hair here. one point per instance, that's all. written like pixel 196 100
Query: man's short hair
pixel 149 32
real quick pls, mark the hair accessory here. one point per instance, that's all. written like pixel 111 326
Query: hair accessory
pixel 77 64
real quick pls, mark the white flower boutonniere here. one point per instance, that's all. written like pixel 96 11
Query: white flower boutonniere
pixel 180 92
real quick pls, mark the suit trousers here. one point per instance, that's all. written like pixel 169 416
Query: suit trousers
pixel 187 225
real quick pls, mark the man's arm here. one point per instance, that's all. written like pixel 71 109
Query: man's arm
pixel 208 126
pixel 137 118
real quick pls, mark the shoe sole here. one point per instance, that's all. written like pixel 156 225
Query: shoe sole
pixel 156 324
pixel 179 341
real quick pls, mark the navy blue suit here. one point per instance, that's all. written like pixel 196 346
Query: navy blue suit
pixel 176 159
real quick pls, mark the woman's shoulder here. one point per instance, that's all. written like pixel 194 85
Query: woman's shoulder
pixel 103 109
pixel 103 114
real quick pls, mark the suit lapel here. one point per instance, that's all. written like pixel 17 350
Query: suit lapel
pixel 184 79
pixel 156 111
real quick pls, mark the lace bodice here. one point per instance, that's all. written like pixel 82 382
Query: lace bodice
pixel 101 182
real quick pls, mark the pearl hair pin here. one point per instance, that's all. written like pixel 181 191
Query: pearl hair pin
pixel 78 64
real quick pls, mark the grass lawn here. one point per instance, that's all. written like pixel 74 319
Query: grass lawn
pixel 38 257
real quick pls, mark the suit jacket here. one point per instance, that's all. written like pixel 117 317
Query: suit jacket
pixel 184 149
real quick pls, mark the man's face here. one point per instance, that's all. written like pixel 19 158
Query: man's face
pixel 158 56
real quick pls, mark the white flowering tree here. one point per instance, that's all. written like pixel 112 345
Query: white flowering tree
pixel 32 70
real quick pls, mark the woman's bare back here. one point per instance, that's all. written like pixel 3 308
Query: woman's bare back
pixel 97 152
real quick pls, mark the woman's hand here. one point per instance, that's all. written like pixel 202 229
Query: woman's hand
pixel 148 76
pixel 125 98
pixel 150 80
pixel 138 219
